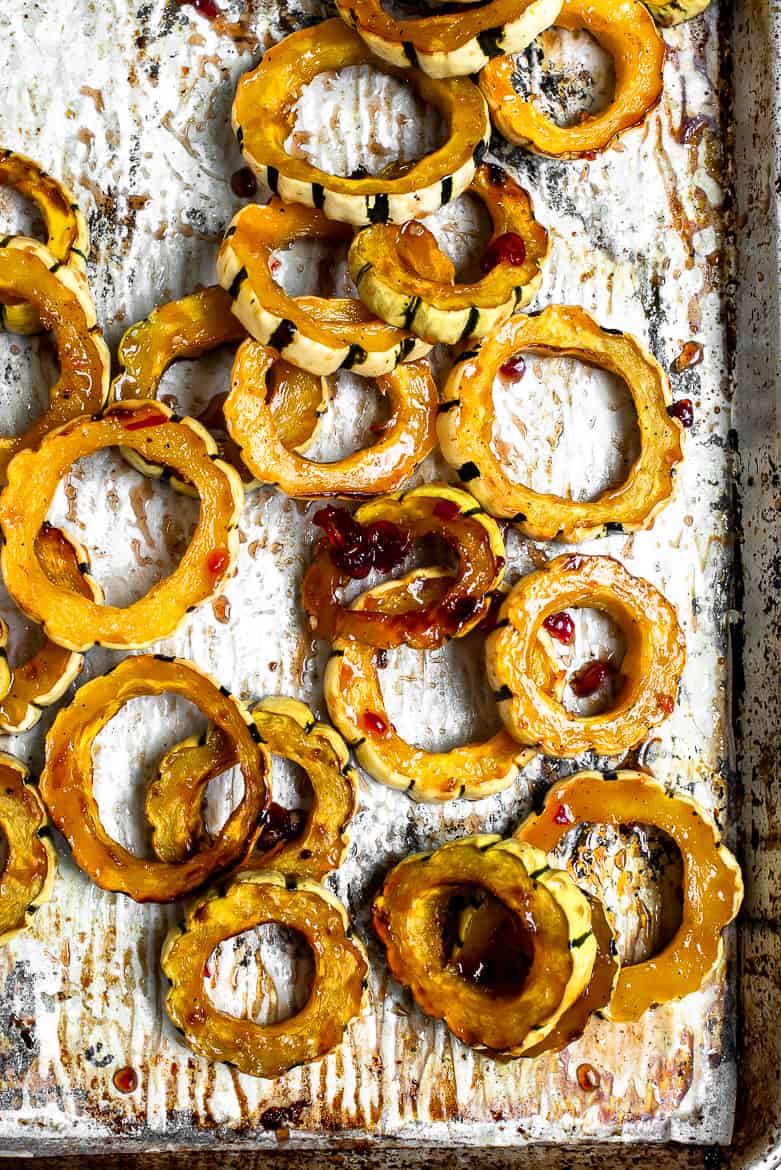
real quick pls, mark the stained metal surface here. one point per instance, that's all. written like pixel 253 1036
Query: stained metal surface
pixel 131 108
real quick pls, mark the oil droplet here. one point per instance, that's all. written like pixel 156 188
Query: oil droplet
pixel 222 609
pixel 691 355
pixel 588 1077
pixel 125 1080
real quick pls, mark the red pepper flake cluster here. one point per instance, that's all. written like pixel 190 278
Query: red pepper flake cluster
pixel 356 549
pixel 508 248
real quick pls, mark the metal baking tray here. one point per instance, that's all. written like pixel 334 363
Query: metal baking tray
pixel 672 236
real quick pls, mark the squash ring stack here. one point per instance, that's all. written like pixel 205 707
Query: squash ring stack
pixel 193 326
pixel 67 236
pixel 30 273
pixel 77 622
pixel 407 439
pixel 453 610
pixel 66 782
pixel 625 30
pixel 651 669
pixel 442 311
pixel 466 419
pixel 338 985
pixel 29 871
pixel 320 335
pixel 712 881
pixel 557 916
pixel 454 44
pixel 263 118
pixel 355 703
pixel 288 729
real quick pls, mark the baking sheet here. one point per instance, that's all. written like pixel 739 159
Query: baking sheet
pixel 132 110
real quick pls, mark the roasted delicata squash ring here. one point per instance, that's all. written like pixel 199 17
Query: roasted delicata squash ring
pixel 189 328
pixel 438 309
pixel 407 438
pixel 318 334
pixel 456 604
pixel 263 117
pixel 338 985
pixel 183 446
pixel 66 782
pixel 671 12
pixel 625 30
pixel 30 868
pixel 712 881
pixel 355 703
pixel 67 237
pixel 467 415
pixel 29 273
pixel 486 924
pixel 47 674
pixel 289 729
pixel 408 917
pixel 651 669
pixel 450 45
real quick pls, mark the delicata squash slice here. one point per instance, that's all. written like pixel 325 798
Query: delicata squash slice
pixel 392 269
pixel 386 528
pixel 354 698
pixel 338 985
pixel 193 326
pixel 450 44
pixel 31 865
pixel 77 622
pixel 30 273
pixel 625 30
pixel 47 674
pixel 466 419
pixel 67 237
pixel 263 118
pixel 712 881
pixel 485 931
pixel 66 782
pixel 553 914
pixel 290 730
pixel 649 673
pixel 407 438
pixel 316 333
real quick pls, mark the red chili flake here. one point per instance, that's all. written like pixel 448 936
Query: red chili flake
pixel 373 723
pixel 508 248
pixel 561 627
pixel 131 423
pixel 665 703
pixel 206 8
pixel 217 561
pixel 683 410
pixel 514 367
pixel 563 815
pixel 591 677
pixel 243 183
pixel 588 1077
pixel 446 510
pixel 125 1080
